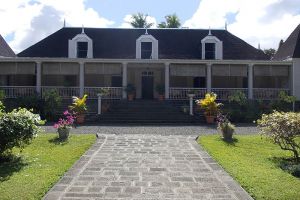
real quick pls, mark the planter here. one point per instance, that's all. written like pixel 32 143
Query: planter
pixel 130 97
pixel 63 133
pixel 210 119
pixel 105 108
pixel 161 97
pixel 80 119
pixel 227 134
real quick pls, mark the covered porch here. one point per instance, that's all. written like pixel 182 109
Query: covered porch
pixel 74 77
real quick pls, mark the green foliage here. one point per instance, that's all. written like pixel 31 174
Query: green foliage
pixel 33 102
pixel 17 129
pixel 238 97
pixel 139 20
pixel 79 105
pixel 2 107
pixel 250 161
pixel 209 104
pixel 270 52
pixel 283 128
pixel 103 92
pixel 130 89
pixel 172 21
pixel 52 102
pixel 284 102
pixel 40 165
pixel 2 95
pixel 160 89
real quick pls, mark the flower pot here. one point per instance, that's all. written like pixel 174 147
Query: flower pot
pixel 210 119
pixel 80 119
pixel 227 134
pixel 161 97
pixel 63 133
pixel 130 97
pixel 105 108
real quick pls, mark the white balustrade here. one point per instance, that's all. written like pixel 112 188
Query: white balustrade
pixel 182 93
pixel 113 92
pixel 64 92
pixel 268 93
pixel 18 91
pixel 223 93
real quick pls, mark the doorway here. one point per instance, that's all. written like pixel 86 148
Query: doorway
pixel 147 85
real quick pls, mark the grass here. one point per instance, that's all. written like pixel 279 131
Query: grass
pixel 254 162
pixel 31 173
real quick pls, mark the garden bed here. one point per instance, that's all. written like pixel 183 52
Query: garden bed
pixel 31 173
pixel 255 163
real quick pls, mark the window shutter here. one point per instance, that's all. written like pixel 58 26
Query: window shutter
pixel 280 70
pixel 238 70
pixel 188 70
pixel 103 68
pixel 220 70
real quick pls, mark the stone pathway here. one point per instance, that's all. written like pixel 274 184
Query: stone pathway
pixel 146 167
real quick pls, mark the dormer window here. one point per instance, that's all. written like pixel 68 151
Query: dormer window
pixel 212 47
pixel 82 49
pixel 146 47
pixel 210 51
pixel 146 50
pixel 81 46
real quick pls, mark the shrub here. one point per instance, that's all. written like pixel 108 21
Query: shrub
pixel 284 102
pixel 283 128
pixel 17 129
pixel 52 102
pixel 209 104
pixel 238 97
pixel 30 102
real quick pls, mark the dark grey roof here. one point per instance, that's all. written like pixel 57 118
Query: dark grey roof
pixel 121 43
pixel 5 50
pixel 290 48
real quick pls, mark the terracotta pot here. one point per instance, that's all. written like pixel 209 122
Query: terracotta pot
pixel 210 119
pixel 80 119
pixel 130 97
pixel 63 133
pixel 161 97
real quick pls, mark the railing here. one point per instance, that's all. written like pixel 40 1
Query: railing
pixel 64 92
pixel 18 91
pixel 113 92
pixel 182 93
pixel 223 93
pixel 268 93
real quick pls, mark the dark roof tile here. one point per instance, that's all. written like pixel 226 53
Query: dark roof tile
pixel 5 50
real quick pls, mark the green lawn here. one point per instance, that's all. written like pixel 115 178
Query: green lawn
pixel 252 162
pixel 41 165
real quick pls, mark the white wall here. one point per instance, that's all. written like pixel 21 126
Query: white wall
pixel 296 77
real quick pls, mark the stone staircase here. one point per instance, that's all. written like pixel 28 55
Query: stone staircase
pixel 144 112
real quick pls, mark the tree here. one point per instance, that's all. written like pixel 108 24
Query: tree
pixel 139 20
pixel 270 52
pixel 172 21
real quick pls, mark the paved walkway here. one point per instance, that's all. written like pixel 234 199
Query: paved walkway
pixel 144 167
pixel 157 130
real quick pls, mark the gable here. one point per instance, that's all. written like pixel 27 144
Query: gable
pixel 5 50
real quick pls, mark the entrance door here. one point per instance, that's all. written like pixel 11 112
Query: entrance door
pixel 147 85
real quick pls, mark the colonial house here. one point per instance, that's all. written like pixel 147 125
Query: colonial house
pixel 82 60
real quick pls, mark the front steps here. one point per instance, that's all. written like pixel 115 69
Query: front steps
pixel 145 112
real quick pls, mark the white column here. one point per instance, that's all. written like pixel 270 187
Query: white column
pixel 191 96
pixel 250 81
pixel 99 104
pixel 81 79
pixel 38 77
pixel 124 79
pixel 167 80
pixel 208 77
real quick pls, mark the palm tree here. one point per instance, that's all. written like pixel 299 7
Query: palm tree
pixel 172 21
pixel 139 20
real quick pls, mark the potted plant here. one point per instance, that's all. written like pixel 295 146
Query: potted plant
pixel 64 125
pixel 225 127
pixel 210 106
pixel 79 108
pixel 160 89
pixel 103 92
pixel 130 89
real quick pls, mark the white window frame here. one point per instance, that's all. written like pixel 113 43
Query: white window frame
pixel 82 37
pixel 147 38
pixel 218 46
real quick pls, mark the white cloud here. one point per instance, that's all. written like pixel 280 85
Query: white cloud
pixel 256 21
pixel 30 21
pixel 128 18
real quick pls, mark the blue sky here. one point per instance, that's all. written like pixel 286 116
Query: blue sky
pixel 264 22
pixel 117 9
